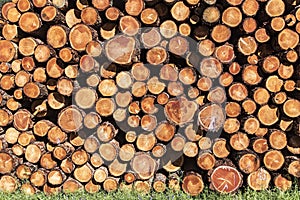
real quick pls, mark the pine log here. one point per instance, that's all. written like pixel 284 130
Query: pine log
pixel 192 184
pixel 259 180
pixel 226 179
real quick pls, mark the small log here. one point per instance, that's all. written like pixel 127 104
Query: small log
pixel 239 141
pixel 156 55
pixel 80 157
pixel 29 22
pixel 226 179
pixel 275 8
pixel 91 187
pixel 139 89
pixel 117 56
pixel 206 160
pixel 249 106
pixel 238 91
pixel 178 143
pixel 67 166
pixel 184 29
pixel 192 184
pixel 249 25
pixel 149 16
pixel 134 7
pixel 168 29
pixel 70 119
pixel 151 37
pixel 211 117
pixel 100 174
pixel 112 13
pixel 108 151
pixel 169 72
pixel 180 11
pixel 142 172
pixel 277 23
pixel 96 160
pixel 249 163
pixel 90 16
pixel 159 184
pixel 272 115
pixel 8 184
pixel 140 72
pixel 159 150
pixel 250 75
pixel 232 16
pixel 180 111
pixel 251 125
pixel 277 139
pixel 84 173
pixel 291 108
pixel 232 109
pixel 224 36
pixel 231 125
pixel 288 39
pixel 47 161
pixel 259 180
pixel 71 186
pixel 211 14
pixel 52 14
pixel 261 96
pixel 116 168
pixel 206 47
pixel 273 160
pixel 28 189
pixel 127 152
pixel 72 17
pixel 106 132
pixel 80 31
pixel 124 80
pixel 250 7
pixel 18 150
pixel 110 184
pixel 282 183
pixel 220 148
pixel 292 56
pixel 174 182
pixel 145 142
pixel 148 122
pixel 25 138
pixel 261 35
pixel 217 95
pixel 56 135
pixel 129 25
pixel 129 177
pixel 56 177
pixel 234 68
pixel 247 45
pixel 211 67
pixel 155 86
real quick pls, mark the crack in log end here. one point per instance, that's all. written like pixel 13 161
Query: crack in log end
pixel 226 179
pixel 211 117
pixel 120 49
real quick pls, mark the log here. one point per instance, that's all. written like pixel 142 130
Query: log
pixel 226 179
pixel 259 180
pixel 142 172
pixel 192 184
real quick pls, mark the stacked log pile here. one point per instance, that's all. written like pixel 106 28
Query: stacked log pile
pixel 149 94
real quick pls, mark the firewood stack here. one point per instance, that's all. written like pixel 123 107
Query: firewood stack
pixel 149 94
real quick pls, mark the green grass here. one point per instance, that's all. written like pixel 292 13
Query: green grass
pixel 207 194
